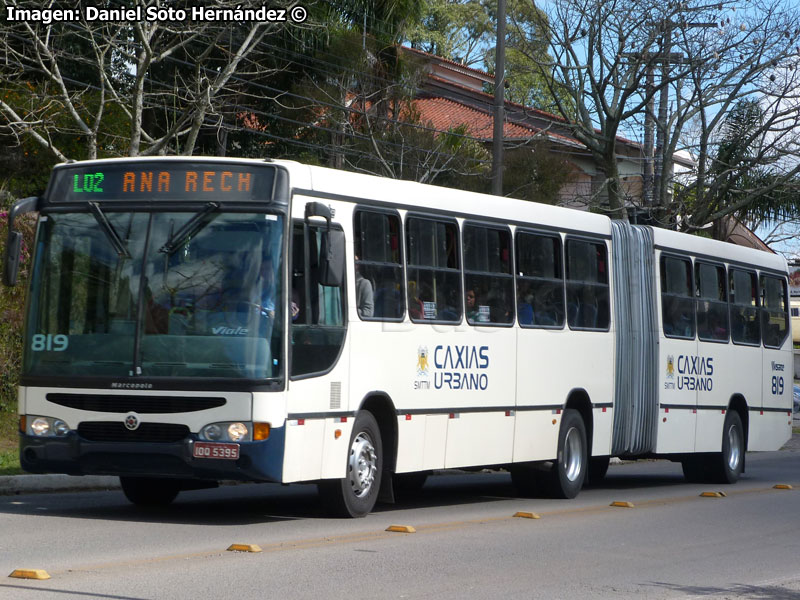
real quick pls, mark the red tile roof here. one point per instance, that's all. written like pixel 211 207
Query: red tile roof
pixel 442 114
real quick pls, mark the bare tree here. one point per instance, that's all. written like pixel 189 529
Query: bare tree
pixel 701 57
pixel 165 79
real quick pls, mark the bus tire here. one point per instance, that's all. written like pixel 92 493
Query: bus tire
pixel 150 491
pixel 568 473
pixel 727 466
pixel 598 467
pixel 355 494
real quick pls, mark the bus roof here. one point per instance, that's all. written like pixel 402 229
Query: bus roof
pixel 441 200
pixel 421 197
pixel 701 247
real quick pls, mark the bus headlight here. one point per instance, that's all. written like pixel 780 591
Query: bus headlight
pixel 46 427
pixel 227 432
pixel 237 432
pixel 212 432
pixel 40 426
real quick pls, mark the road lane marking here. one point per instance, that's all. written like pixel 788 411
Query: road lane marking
pixel 367 536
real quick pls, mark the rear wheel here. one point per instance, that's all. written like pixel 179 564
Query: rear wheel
pixel 569 469
pixel 150 491
pixel 720 467
pixel 355 495
pixel 727 466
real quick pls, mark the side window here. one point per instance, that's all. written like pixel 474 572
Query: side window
pixel 540 281
pixel 587 285
pixel 379 266
pixel 774 311
pixel 488 277
pixel 712 303
pixel 745 324
pixel 434 273
pixel 318 324
pixel 677 299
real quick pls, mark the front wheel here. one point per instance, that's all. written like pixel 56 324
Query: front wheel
pixel 569 469
pixel 355 495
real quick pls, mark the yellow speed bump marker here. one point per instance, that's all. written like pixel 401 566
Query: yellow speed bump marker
pixel 30 574
pixel 713 495
pixel 783 486
pixel 621 504
pixel 527 515
pixel 401 529
pixel 244 548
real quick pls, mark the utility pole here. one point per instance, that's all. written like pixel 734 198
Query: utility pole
pixel 663 105
pixel 649 128
pixel 667 57
pixel 499 100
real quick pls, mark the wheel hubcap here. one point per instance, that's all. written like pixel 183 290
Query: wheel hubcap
pixel 734 448
pixel 363 465
pixel 573 454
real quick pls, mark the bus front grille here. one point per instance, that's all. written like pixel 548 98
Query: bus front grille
pixel 102 431
pixel 113 403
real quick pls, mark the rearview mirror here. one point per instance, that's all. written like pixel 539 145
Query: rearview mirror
pixel 13 250
pixel 331 251
pixel 14 241
pixel 331 258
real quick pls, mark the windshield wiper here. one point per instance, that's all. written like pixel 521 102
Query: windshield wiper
pixel 191 228
pixel 108 229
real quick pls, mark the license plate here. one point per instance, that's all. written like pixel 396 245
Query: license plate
pixel 213 450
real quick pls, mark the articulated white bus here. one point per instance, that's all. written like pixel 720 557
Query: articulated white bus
pixel 192 320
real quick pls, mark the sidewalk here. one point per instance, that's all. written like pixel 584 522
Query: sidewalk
pixel 34 484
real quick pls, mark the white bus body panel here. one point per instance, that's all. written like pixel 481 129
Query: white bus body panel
pixel 438 427
pixel 738 370
pixel 550 365
pixel 440 421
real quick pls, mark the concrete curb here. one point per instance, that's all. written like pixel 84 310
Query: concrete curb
pixel 35 484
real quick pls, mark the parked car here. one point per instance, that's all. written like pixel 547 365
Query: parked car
pixel 796 398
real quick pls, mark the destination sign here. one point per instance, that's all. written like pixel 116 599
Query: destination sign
pixel 189 181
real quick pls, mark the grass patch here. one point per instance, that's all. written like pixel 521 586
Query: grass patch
pixel 9 444
pixel 9 462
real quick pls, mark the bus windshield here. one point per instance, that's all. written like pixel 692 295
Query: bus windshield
pixel 178 294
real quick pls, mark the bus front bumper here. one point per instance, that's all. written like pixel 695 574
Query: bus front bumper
pixel 73 455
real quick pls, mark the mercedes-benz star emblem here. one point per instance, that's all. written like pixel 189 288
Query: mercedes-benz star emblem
pixel 132 421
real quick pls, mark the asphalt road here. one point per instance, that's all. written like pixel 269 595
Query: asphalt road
pixel 671 544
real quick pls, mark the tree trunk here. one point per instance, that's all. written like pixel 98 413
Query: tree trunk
pixel 616 200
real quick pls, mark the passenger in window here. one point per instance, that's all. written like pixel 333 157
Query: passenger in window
pixel 364 294
pixel 545 312
pixel 475 312
pixel 450 311
pixel 677 321
pixel 295 305
pixel 525 310
pixel 716 328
